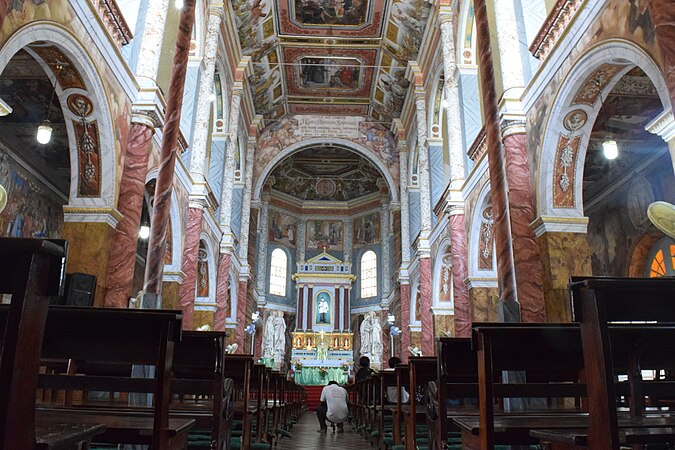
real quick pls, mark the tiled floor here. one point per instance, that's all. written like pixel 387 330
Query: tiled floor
pixel 305 437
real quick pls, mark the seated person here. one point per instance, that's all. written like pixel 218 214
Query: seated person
pixel 333 407
pixel 392 394
pixel 364 371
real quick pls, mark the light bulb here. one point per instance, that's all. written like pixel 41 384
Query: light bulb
pixel 610 149
pixel 445 103
pixel 44 133
pixel 179 4
pixel 212 97
pixel 144 232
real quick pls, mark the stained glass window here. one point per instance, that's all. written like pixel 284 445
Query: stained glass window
pixel 662 259
pixel 278 269
pixel 368 274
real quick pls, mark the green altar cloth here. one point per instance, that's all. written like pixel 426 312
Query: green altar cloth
pixel 311 376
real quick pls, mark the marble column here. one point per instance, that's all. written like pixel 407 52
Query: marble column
pixel 497 168
pixel 348 240
pixel 89 235
pixel 310 304
pixel 663 18
pixel 222 294
pixel 160 218
pixel 343 303
pixel 261 270
pixel 130 205
pixel 246 202
pixel 427 320
pixel 151 40
pixel 385 230
pixel 527 258
pixel 226 197
pixel 338 308
pixel 301 308
pixel 188 289
pixel 508 45
pixel 242 300
pixel 405 207
pixel 198 154
pixel 453 109
pixel 300 241
pixel 460 272
pixel 348 305
pixel 405 320
pixel 565 253
pixel 423 166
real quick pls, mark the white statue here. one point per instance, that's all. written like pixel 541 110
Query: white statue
pixel 366 336
pixel 377 347
pixel 268 338
pixel 279 343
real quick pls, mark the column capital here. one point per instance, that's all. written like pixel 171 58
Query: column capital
pixel 550 224
pixel 218 9
pixel 510 127
pixel 446 15
pixel 149 115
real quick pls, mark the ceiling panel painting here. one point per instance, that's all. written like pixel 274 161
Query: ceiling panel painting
pixel 328 109
pixel 329 72
pixel 335 18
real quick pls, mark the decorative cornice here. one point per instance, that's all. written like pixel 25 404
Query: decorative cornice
pixel 479 146
pixel 663 125
pixel 560 16
pixel 548 224
pixel 114 21
pixel 111 216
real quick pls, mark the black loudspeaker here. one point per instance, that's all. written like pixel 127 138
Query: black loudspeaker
pixel 80 289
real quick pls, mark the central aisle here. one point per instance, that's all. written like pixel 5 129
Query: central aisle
pixel 305 437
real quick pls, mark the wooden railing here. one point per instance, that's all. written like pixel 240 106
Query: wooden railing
pixel 557 21
pixel 114 21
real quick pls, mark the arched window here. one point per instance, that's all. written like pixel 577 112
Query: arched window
pixel 278 269
pixel 662 261
pixel 368 274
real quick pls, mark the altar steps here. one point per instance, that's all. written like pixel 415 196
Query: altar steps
pixel 313 396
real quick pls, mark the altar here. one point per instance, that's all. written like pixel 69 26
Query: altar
pixel 322 343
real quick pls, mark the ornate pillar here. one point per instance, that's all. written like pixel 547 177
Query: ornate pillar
pixel 345 313
pixel 226 198
pixel 423 249
pixel 496 164
pixel 310 304
pixel 565 253
pixel 151 42
pixel 348 240
pixel 300 244
pixel 508 46
pixel 385 230
pixel 664 126
pixel 89 234
pixel 160 218
pixel 405 318
pixel 198 156
pixel 130 205
pixel 261 270
pixel 242 301
pixel 663 18
pixel 188 289
pixel 246 202
pixel 301 307
pixel 348 305
pixel 222 294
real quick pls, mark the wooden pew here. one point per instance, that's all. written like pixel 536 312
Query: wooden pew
pixel 457 378
pixel 422 370
pixel 31 270
pixel 402 380
pixel 386 410
pixel 551 358
pixel 199 388
pixel 239 369
pixel 116 337
pixel 604 307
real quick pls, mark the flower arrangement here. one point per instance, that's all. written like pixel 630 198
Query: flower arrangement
pixel 298 365
pixel 323 372
pixel 345 366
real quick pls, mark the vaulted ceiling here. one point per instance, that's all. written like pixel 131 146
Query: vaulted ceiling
pixel 333 57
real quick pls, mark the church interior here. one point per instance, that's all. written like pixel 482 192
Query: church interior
pixel 483 189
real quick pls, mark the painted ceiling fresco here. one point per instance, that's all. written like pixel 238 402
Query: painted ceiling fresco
pixel 326 173
pixel 344 57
